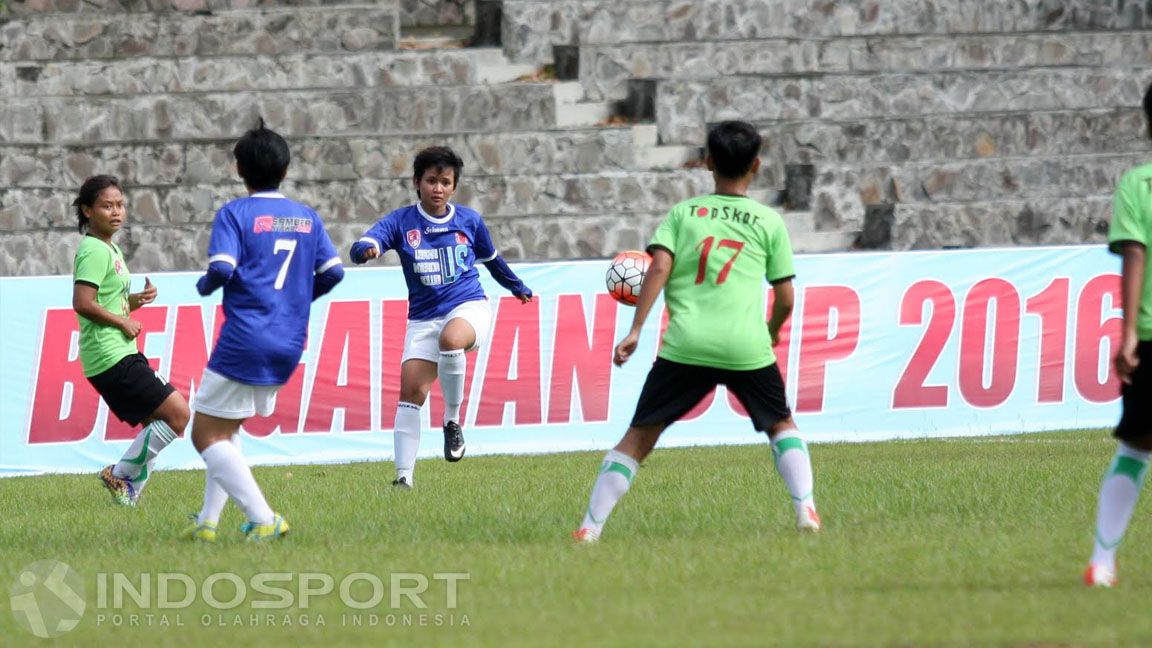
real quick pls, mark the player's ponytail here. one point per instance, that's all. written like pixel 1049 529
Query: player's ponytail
pixel 89 192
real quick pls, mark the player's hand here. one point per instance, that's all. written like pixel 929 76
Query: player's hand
pixel 146 296
pixel 625 349
pixel 131 328
pixel 1127 360
pixel 523 297
pixel 370 253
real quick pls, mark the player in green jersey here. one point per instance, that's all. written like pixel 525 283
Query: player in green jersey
pixel 1129 236
pixel 108 352
pixel 711 256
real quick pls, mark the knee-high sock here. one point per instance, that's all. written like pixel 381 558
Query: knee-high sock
pixel 227 467
pixel 406 439
pixel 616 475
pixel 1118 496
pixel 795 467
pixel 214 495
pixel 451 368
pixel 136 464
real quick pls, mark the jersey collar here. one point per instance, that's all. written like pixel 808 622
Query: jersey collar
pixel 268 194
pixel 442 219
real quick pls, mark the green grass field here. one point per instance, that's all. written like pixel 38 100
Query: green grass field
pixel 944 542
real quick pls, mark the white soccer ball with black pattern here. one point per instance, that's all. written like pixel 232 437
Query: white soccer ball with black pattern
pixel 626 274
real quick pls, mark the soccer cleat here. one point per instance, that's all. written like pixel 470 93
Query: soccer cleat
pixel 586 535
pixel 402 483
pixel 121 489
pixel 453 441
pixel 1099 576
pixel 810 522
pixel 264 532
pixel 200 532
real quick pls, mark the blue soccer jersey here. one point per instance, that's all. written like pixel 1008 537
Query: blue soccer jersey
pixel 276 248
pixel 438 255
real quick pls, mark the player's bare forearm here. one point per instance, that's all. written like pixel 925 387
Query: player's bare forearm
pixel 783 299
pixel 654 281
pixel 85 304
pixel 1134 257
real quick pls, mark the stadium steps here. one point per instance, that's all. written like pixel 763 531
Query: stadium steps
pixel 607 69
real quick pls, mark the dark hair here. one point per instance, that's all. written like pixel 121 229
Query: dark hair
pixel 1148 108
pixel 440 158
pixel 89 192
pixel 262 158
pixel 733 146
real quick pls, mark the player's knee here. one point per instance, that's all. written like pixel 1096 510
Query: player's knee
pixel 414 394
pixel 456 341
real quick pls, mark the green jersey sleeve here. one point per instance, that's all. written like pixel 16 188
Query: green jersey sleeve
pixel 1129 222
pixel 665 236
pixel 779 263
pixel 92 263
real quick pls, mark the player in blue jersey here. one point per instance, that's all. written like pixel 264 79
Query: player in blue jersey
pixel 439 244
pixel 273 257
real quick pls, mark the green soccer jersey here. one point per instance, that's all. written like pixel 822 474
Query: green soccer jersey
pixel 724 248
pixel 102 265
pixel 1132 221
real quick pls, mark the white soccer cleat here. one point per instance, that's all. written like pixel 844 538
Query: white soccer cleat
pixel 586 535
pixel 1099 576
pixel 809 521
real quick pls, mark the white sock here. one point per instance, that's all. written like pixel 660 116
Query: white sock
pixel 795 467
pixel 136 464
pixel 227 467
pixel 406 439
pixel 616 475
pixel 1118 495
pixel 451 368
pixel 214 495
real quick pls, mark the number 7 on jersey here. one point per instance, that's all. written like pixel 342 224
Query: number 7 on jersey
pixel 706 247
pixel 283 245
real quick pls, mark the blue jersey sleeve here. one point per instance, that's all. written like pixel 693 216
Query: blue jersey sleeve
pixel 224 252
pixel 380 236
pixel 329 268
pixel 482 243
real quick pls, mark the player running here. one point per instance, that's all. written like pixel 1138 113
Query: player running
pixel 710 256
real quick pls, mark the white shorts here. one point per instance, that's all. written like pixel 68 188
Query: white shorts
pixel 422 340
pixel 227 399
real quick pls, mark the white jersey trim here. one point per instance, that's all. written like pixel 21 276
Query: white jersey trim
pixel 226 258
pixel 331 263
pixel 268 194
pixel 374 242
pixel 495 254
pixel 438 220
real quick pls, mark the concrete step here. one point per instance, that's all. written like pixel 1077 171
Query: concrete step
pixel 1072 220
pixel 33 8
pixel 812 241
pixel 667 157
pixel 434 37
pixel 572 112
pixel 269 32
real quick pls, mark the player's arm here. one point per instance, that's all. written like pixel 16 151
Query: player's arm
pixel 223 253
pixel 504 276
pixel 783 299
pixel 84 303
pixel 329 269
pixel 654 281
pixel 1134 261
pixel 372 244
pixel 144 297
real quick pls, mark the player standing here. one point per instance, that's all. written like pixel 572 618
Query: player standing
pixel 111 359
pixel 1129 236
pixel 273 257
pixel 711 256
pixel 439 244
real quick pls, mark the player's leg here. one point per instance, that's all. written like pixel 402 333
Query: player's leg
pixel 669 392
pixel 1125 476
pixel 761 392
pixel 465 329
pixel 161 429
pixel 416 378
pixel 221 406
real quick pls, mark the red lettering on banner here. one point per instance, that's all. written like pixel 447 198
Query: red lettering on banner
pixel 1091 331
pixel 910 390
pixel 153 319
pixel 818 345
pixel 64 405
pixel 191 347
pixel 1051 305
pixel 1005 343
pixel 345 345
pixel 393 325
pixel 782 349
pixel 580 361
pixel 517 325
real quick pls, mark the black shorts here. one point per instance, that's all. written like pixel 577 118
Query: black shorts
pixel 131 388
pixel 672 389
pixel 1136 421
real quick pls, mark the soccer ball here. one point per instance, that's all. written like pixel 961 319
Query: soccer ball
pixel 626 274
